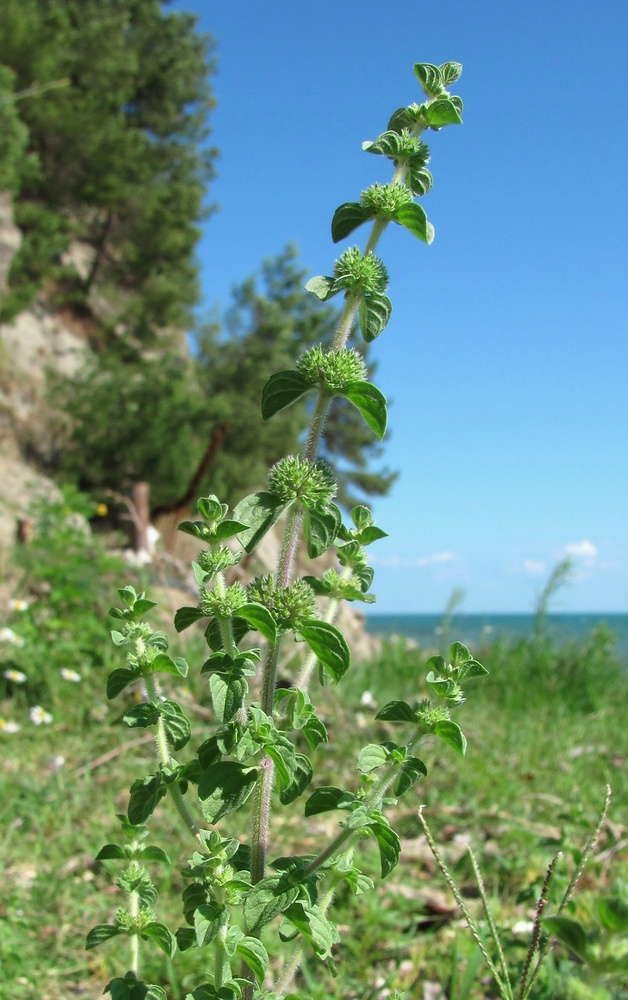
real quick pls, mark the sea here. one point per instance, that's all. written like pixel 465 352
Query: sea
pixel 477 631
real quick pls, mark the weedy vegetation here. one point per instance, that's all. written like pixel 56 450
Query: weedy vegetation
pixel 292 810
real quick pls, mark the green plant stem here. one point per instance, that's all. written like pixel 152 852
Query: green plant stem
pixel 163 751
pixel 261 818
pixel 134 912
pixel 290 970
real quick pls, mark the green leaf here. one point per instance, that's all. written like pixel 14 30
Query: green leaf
pixel 397 711
pixel 131 988
pixel 371 403
pixel 164 664
pixel 429 77
pixel 117 638
pixel 419 180
pixel 314 731
pixel 208 918
pixel 326 798
pixel 472 669
pixel 315 927
pixel 146 793
pixel 375 312
pixel 100 934
pixel 229 528
pixel 329 645
pixel 281 390
pixel 451 733
pixel 142 605
pixel 414 219
pixel 176 724
pixel 347 218
pixel 387 144
pixel 162 937
pixel 569 932
pixel 371 534
pixel 361 517
pixel 322 287
pixel 255 955
pixel 450 72
pixel 442 112
pixel 271 896
pixel 371 756
pixel 458 654
pixel 141 716
pixel 284 758
pixel 210 508
pixel 152 853
pixel 119 679
pixel 185 617
pixel 321 529
pixel 389 847
pixel 260 511
pixel 224 787
pixel 301 778
pixel 411 768
pixel 260 618
pixel 227 695
pixel 613 914
pixel 110 851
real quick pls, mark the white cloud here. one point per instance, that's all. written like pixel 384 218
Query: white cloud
pixel 437 557
pixel 534 567
pixel 581 550
pixel 402 562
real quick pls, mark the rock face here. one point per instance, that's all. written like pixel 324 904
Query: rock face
pixel 10 238
pixel 37 340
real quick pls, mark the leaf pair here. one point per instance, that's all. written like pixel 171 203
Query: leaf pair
pixel 286 387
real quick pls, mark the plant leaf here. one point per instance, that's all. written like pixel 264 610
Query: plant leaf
pixel 100 934
pixel 255 955
pixel 185 617
pixel 315 927
pixel 411 768
pixel 207 920
pixel 326 798
pixel 329 645
pixel 271 896
pixel 450 72
pixel 119 679
pixel 451 733
pixel 260 511
pixel 429 76
pixel 164 664
pixel 227 695
pixel 281 390
pixel 613 914
pixel 375 312
pixel 569 932
pixel 370 757
pixel 347 218
pixel 414 219
pixel 225 786
pixel 321 530
pixel 442 112
pixel 389 847
pixel 322 287
pixel 141 716
pixel 397 711
pixel 146 793
pixel 176 724
pixel 371 403
pixel 111 851
pixel 260 618
pixel 162 937
pixel 301 778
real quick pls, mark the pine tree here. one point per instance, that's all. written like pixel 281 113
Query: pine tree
pixel 122 161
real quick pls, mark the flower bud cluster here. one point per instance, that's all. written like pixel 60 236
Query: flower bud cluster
pixel 429 715
pixel 294 478
pixel 216 560
pixel 386 199
pixel 332 370
pixel 362 274
pixel 290 606
pixel 225 604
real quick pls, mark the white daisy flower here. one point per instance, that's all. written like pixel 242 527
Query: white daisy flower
pixel 16 676
pixel 71 675
pixel 8 635
pixel 19 604
pixel 39 715
pixel 6 726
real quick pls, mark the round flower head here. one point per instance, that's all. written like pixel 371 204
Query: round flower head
pixel 16 676
pixel 290 606
pixel 7 726
pixel 361 273
pixel 385 199
pixel 223 605
pixel 39 716
pixel 71 675
pixel 332 370
pixel 312 483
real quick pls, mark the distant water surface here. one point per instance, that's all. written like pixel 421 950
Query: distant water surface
pixel 480 630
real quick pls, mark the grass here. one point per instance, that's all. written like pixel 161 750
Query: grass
pixel 546 733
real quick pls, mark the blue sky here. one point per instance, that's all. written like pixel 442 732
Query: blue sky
pixel 506 356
